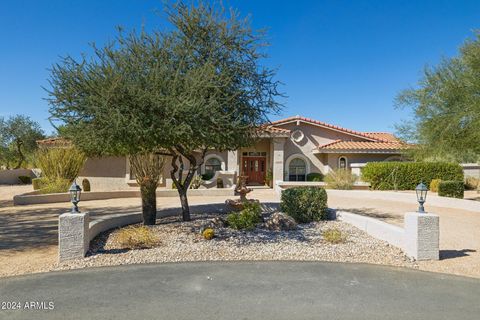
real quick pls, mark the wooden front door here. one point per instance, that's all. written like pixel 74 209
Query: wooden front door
pixel 254 168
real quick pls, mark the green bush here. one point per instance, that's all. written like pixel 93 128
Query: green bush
pixel 38 183
pixel 315 176
pixel 247 218
pixel 305 204
pixel 86 185
pixel 207 176
pixel 25 179
pixel 60 163
pixel 452 189
pixel 340 179
pixel 55 186
pixel 434 185
pixel 407 175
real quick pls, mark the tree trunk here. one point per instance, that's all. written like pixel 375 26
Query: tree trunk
pixel 149 204
pixel 21 157
pixel 185 207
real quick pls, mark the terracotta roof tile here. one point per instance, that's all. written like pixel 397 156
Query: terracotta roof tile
pixel 363 145
pixel 53 142
pixel 386 136
pixel 324 124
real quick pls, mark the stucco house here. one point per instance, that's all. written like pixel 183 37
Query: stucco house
pixel 289 149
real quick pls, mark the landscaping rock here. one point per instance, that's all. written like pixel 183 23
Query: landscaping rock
pixel 280 222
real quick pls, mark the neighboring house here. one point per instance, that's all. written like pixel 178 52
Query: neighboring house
pixel 290 149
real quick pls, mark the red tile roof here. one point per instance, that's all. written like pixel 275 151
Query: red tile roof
pixel 386 136
pixel 54 142
pixel 363 145
pixel 371 136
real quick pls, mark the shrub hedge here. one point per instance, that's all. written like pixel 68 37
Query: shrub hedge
pixel 452 189
pixel 407 175
pixel 305 204
pixel 315 176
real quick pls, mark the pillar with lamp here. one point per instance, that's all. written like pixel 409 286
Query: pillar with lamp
pixel 422 230
pixel 421 191
pixel 75 193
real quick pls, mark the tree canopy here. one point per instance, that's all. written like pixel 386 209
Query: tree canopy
pixel 198 86
pixel 446 107
pixel 18 136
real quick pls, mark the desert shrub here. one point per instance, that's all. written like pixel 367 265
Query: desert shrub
pixel 86 185
pixel 268 177
pixel 407 175
pixel 196 182
pixel 340 179
pixel 58 185
pixel 208 234
pixel 38 183
pixel 472 183
pixel 305 204
pixel 315 176
pixel 247 218
pixel 25 179
pixel 334 236
pixel 434 185
pixel 60 163
pixel 136 237
pixel 452 189
pixel 219 183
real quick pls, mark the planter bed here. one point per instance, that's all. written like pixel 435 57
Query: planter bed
pixel 182 241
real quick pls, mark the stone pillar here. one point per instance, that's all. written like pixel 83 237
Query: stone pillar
pixel 232 161
pixel 73 235
pixel 422 235
pixel 278 159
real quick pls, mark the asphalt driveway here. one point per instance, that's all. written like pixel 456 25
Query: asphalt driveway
pixel 247 290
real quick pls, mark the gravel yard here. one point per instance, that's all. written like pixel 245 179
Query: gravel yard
pixel 182 241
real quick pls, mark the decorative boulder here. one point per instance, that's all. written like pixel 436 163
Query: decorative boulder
pixel 217 222
pixel 280 222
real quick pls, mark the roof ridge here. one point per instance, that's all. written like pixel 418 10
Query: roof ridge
pixel 355 132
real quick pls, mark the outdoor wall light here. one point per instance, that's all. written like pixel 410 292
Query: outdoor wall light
pixel 421 191
pixel 75 192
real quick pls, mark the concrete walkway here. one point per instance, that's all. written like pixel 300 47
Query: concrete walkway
pixel 247 290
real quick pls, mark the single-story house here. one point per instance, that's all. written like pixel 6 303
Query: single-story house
pixel 287 150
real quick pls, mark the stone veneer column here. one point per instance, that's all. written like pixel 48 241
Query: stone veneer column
pixel 73 235
pixel 422 235
pixel 278 159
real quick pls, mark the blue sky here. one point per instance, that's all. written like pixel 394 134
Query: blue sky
pixel 342 62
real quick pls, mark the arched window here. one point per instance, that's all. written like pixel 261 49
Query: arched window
pixel 342 163
pixel 297 170
pixel 212 165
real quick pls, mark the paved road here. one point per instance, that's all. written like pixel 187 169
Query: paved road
pixel 265 290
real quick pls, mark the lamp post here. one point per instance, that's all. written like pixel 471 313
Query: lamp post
pixel 75 192
pixel 421 191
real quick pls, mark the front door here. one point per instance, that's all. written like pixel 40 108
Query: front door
pixel 254 169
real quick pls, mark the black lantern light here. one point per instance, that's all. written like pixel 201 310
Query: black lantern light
pixel 75 192
pixel 421 190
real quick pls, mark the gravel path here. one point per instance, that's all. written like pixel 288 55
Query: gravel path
pixel 182 241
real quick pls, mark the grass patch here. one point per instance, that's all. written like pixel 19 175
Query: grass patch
pixel 136 237
pixel 334 236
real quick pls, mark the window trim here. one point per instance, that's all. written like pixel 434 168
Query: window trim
pixel 295 156
pixel 210 156
pixel 346 162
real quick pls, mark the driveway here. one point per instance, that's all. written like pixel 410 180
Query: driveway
pixel 459 228
pixel 245 290
pixel 28 234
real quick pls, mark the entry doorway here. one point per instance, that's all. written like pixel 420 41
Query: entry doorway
pixel 254 168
